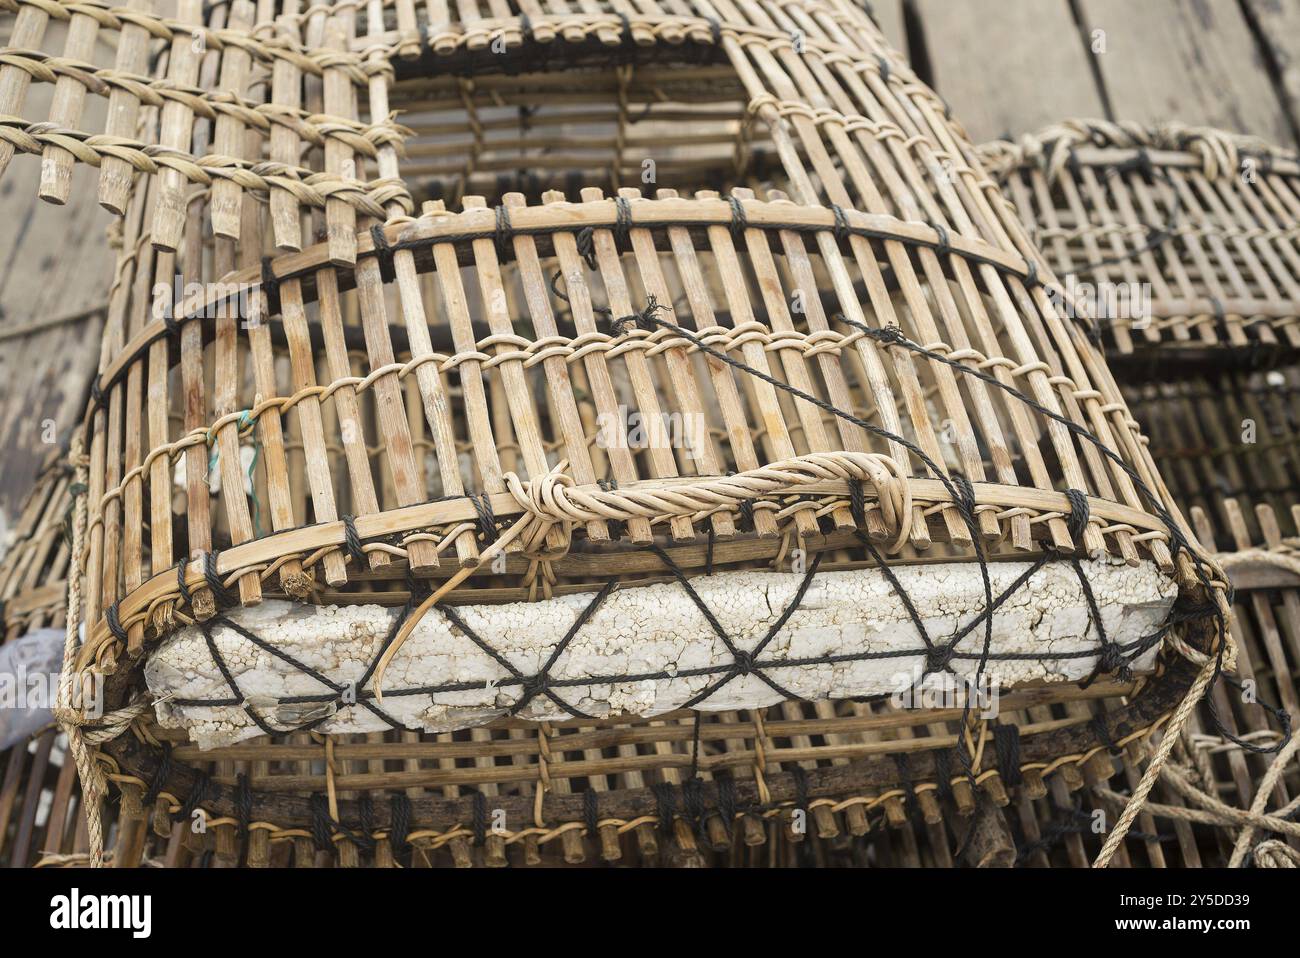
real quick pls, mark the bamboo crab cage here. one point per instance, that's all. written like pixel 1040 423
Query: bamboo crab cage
pixel 499 487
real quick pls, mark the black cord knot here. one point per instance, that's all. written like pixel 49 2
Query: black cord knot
pixel 480 819
pixel 739 219
pixel 220 594
pixel 399 814
pixel 1112 661
pixel 487 520
pixel 841 228
pixel 1079 515
pixel 943 247
pixel 1103 735
pixel 504 233
pixel 270 285
pixel 321 825
pixel 1006 745
pixel 965 496
pixel 181 586
pixel 646 320
pixel 114 623
pixel 244 803
pixel 622 219
pixel 887 335
pixel 666 803
pixel 159 779
pixel 534 686
pixel 857 503
pixel 938 658
pixel 587 246
pixel 383 253
pixel 744 662
pixel 352 541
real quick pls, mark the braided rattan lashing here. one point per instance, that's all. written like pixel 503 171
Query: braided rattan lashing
pixel 398 336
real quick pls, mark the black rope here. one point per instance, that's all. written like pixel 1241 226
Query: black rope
pixel 114 623
pixel 222 596
pixel 504 233
pixel 383 253
pixel 199 792
pixel 665 804
pixel 1006 746
pixel 181 585
pixel 270 287
pixel 243 808
pixel 487 520
pixel 399 817
pixel 943 773
pixel 590 811
pixel 480 819
pixel 160 774
pixel 352 541
pixel 321 825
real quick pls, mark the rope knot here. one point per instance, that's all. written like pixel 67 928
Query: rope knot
pixel 1111 661
pixel 744 662
pixel 534 686
pixel 938 658
pixel 646 320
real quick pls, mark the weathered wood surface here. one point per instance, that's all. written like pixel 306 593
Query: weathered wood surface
pixel 1187 60
pixel 1008 66
pixel 1013 66
pixel 55 268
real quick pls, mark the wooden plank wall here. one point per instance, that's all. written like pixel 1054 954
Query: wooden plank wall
pixel 55 262
pixel 1014 66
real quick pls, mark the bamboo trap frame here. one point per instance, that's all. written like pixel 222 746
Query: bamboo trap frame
pixel 852 372
pixel 1203 221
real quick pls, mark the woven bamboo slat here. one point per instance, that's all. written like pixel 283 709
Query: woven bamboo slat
pixel 388 375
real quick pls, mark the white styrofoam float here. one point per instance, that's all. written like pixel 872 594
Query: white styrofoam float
pixel 651 629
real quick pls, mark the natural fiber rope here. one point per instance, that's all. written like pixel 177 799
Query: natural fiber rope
pixel 1262 793
pixel 1152 773
pixel 1276 854
pixel 1271 557
pixel 1213 811
pixel 68 714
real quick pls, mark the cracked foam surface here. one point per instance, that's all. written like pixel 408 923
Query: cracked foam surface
pixel 650 630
